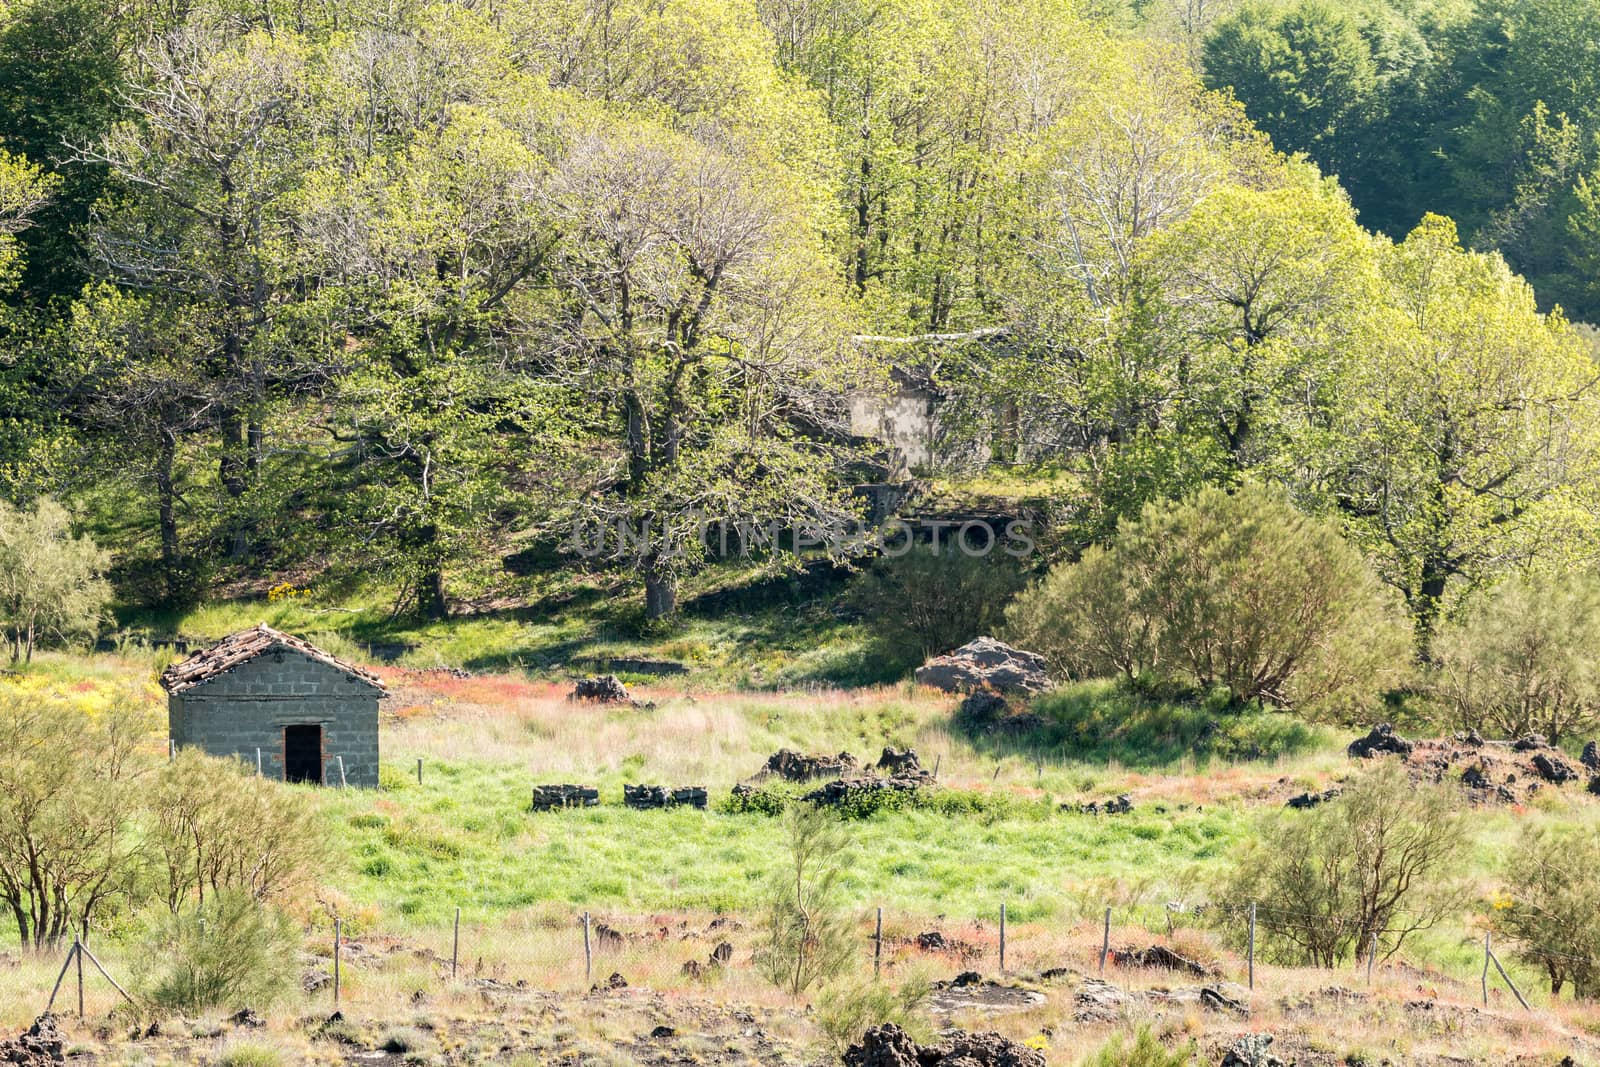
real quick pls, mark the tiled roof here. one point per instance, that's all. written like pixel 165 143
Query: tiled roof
pixel 245 646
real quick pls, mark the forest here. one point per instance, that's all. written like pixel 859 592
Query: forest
pixel 398 293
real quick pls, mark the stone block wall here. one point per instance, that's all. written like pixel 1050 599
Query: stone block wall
pixel 248 708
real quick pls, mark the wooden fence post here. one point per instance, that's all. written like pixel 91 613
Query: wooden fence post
pixel 338 931
pixel 937 760
pixel 77 955
pixel 1372 954
pixel 419 770
pixel 455 943
pixel 83 950
pixel 1486 968
pixel 877 947
pixel 343 784
pixel 1509 983
pixel 258 763
pixel 1252 943
pixel 62 977
pixel 588 951
pixel 1105 943
pixel 1002 937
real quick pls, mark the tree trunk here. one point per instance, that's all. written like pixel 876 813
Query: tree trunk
pixel 660 591
pixel 431 600
pixel 233 469
pixel 167 517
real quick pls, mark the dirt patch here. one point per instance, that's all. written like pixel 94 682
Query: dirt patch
pixel 971 992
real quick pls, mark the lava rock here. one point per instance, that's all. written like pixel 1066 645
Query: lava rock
pixel 552 797
pixel 1250 1050
pixel 931 941
pixel 1311 800
pixel 795 767
pixel 982 710
pixel 1380 739
pixel 1554 769
pixel 890 1046
pixel 647 797
pixel 616 981
pixel 1161 957
pixel 896 762
pixel 40 1046
pixel 837 792
pixel 602 689
pixel 985 664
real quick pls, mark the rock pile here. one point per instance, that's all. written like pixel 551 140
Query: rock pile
pixel 1311 800
pixel 1100 1001
pixel 1160 957
pixel 985 664
pixel 1554 769
pixel 1121 804
pixel 1250 1050
pixel 41 1046
pixel 1379 740
pixel 890 1046
pixel 601 689
pixel 646 797
pixel 794 767
pixel 552 797
pixel 840 790
pixel 896 762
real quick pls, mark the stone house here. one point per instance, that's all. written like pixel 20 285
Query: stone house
pixel 261 694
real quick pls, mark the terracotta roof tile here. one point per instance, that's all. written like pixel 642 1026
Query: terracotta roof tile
pixel 244 646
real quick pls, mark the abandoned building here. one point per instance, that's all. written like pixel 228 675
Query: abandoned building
pixel 278 702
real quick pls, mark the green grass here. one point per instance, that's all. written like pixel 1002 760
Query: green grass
pixel 469 841
pixel 1100 721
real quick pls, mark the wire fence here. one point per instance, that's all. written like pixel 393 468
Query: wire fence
pixel 600 950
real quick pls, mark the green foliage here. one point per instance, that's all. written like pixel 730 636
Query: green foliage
pixel 806 938
pixel 1381 860
pixel 1145 1051
pixel 1521 660
pixel 846 1010
pixel 1237 590
pixel 1104 721
pixel 228 951
pixel 1550 906
pixel 50 580
pixel 249 1052
pixel 922 603
pixel 217 827
pixel 68 797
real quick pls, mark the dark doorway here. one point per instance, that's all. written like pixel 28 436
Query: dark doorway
pixel 302 754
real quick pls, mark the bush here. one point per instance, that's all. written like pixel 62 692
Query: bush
pixel 805 936
pixel 923 603
pixel 219 827
pixel 229 952
pixel 1527 660
pixel 1103 720
pixel 1146 1051
pixel 845 1012
pixel 1550 908
pixel 244 1052
pixel 1378 860
pixel 1237 590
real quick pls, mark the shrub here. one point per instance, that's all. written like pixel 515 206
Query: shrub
pixel 847 1010
pixel 244 1052
pixel 217 827
pixel 50 583
pixel 1527 660
pixel 1146 1051
pixel 923 603
pixel 229 952
pixel 1238 590
pixel 1378 860
pixel 1551 906
pixel 1102 720
pixel 805 937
